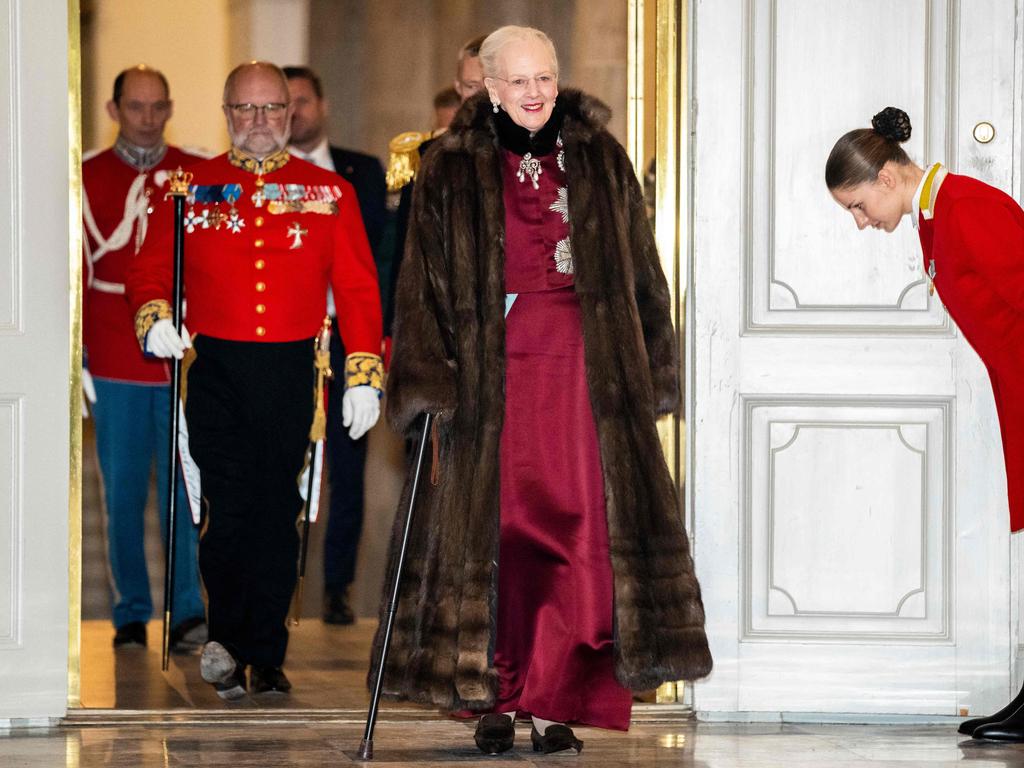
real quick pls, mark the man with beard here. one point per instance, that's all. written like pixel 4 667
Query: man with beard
pixel 346 457
pixel 265 235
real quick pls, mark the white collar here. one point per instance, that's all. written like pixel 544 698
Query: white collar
pixel 939 174
pixel 320 155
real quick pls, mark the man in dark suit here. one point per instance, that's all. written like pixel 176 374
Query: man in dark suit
pixel 406 151
pixel 346 458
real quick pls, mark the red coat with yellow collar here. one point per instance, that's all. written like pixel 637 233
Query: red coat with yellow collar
pixel 973 235
pixel 256 271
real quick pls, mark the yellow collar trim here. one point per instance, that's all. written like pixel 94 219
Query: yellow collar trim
pixel 930 190
pixel 251 164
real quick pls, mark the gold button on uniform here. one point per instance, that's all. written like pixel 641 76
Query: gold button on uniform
pixel 258 221
pixel 261 331
pixel 260 263
pixel 261 287
pixel 261 308
pixel 259 243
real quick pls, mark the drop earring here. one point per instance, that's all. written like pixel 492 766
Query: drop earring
pixel 494 107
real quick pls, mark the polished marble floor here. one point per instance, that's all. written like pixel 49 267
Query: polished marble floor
pixel 271 741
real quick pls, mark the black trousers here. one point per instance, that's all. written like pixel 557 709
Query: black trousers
pixel 249 410
pixel 346 463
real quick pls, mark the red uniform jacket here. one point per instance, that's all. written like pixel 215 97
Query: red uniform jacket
pixel 108 333
pixel 261 272
pixel 975 239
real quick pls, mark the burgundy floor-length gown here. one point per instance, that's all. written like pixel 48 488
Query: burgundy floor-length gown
pixel 554 647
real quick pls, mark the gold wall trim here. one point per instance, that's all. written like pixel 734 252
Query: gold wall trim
pixel 670 223
pixel 75 362
pixel 635 89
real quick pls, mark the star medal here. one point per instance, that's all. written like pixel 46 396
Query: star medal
pixel 257 196
pixel 217 217
pixel 235 221
pixel 297 232
pixel 931 277
pixel 194 220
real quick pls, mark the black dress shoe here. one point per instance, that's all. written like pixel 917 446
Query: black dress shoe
pixel 1010 730
pixel 189 636
pixel 131 635
pixel 337 609
pixel 968 727
pixel 495 733
pixel 268 680
pixel 556 738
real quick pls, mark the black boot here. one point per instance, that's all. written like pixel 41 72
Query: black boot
pixel 1010 730
pixel 968 727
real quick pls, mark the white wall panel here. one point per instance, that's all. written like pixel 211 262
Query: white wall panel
pixel 10 562
pixel 9 225
pixel 803 272
pixel 846 520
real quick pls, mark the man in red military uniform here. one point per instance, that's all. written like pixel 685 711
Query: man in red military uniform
pixel 130 398
pixel 265 235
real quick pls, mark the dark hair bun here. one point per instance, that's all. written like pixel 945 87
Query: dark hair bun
pixel 892 123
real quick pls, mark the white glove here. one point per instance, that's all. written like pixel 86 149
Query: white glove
pixel 163 341
pixel 360 408
pixel 89 392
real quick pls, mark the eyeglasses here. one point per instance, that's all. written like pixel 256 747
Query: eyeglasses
pixel 248 111
pixel 520 83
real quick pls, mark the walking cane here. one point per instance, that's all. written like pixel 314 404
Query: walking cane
pixel 178 189
pixel 366 745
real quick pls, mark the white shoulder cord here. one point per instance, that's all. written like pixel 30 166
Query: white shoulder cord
pixel 136 204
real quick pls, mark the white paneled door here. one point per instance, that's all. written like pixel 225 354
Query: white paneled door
pixel 851 530
pixel 34 359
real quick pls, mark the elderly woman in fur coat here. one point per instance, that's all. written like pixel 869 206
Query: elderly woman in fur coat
pixel 548 572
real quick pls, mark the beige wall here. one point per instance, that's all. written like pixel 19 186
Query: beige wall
pixel 186 39
pixel 195 43
pixel 382 62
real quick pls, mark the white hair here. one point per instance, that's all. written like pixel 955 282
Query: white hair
pixel 495 42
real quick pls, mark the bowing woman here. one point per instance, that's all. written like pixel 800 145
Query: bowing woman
pixel 972 238
pixel 548 572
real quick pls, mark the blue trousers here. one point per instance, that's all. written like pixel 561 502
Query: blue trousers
pixel 132 428
pixel 346 461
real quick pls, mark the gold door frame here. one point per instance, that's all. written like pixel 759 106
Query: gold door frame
pixel 75 363
pixel 663 81
pixel 657 80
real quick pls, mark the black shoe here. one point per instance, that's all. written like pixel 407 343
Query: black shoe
pixel 1010 730
pixel 189 636
pixel 219 668
pixel 495 733
pixel 131 635
pixel 268 680
pixel 555 739
pixel 336 608
pixel 968 727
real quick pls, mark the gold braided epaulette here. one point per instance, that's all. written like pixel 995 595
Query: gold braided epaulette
pixel 404 158
pixel 149 313
pixel 364 369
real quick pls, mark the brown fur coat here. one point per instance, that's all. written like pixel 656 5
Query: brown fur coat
pixel 449 359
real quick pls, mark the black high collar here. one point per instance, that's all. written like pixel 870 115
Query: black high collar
pixel 517 139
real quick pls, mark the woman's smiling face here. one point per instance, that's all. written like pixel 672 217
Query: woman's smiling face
pixel 526 84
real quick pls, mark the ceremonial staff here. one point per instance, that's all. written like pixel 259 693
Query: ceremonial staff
pixel 178 184
pixel 366 745
pixel 315 454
